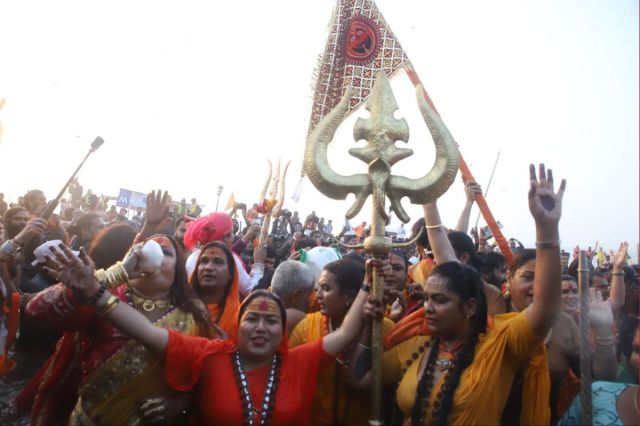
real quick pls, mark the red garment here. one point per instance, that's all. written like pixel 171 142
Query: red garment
pixel 196 361
pixel 51 399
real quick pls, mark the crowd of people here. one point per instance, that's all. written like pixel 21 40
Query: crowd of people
pixel 168 316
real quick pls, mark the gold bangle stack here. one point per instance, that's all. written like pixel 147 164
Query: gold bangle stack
pixel 113 276
pixel 109 306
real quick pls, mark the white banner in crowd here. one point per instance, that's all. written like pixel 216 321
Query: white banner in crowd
pixel 131 199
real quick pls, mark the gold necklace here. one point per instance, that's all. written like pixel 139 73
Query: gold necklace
pixel 147 304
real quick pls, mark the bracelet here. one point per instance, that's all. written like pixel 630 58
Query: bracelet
pixel 618 274
pixel 93 299
pixel 434 226
pixel 548 244
pixel 109 306
pixel 365 287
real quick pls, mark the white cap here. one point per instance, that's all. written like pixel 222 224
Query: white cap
pixel 43 250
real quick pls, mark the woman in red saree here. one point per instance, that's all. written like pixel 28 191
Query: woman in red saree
pixel 254 380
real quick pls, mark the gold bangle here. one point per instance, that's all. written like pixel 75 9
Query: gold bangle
pixel 101 276
pixel 109 306
pixel 434 226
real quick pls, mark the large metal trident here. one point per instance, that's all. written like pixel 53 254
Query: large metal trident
pixel 381 130
pixel 271 206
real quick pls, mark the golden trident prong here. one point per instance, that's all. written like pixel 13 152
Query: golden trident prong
pixel 381 130
pixel 271 206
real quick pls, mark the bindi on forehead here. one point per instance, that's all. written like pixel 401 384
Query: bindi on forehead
pixel 263 305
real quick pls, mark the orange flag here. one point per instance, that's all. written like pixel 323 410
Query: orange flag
pixel 230 203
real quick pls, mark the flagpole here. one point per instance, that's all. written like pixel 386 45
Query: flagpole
pixel 468 177
pixel 486 191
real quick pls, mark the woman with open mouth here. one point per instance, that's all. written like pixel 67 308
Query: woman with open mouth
pixel 454 367
pixel 254 379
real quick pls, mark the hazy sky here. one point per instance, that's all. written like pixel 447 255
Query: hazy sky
pixel 194 94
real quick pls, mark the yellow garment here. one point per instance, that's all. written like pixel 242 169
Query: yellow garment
pixel 353 408
pixel 485 385
pixel 419 272
pixel 113 394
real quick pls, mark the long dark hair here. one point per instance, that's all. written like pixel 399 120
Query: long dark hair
pixel 349 275
pixel 231 266
pixel 181 294
pixel 111 244
pixel 466 283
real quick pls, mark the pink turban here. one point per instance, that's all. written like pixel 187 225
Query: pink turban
pixel 211 227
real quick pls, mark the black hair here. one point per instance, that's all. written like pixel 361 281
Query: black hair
pixel 82 222
pixel 111 244
pixel 466 283
pixel 349 275
pixel 231 266
pixel 462 243
pixel 520 259
pixel 402 255
pixel 181 294
pixel 567 277
pixel 419 227
pixel 269 295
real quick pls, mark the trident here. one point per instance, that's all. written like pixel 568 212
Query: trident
pixel 271 206
pixel 380 130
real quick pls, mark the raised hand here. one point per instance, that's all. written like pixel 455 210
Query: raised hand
pixel 600 314
pixel 620 258
pixel 36 226
pixel 472 189
pixel 545 204
pixel 157 208
pixel 75 272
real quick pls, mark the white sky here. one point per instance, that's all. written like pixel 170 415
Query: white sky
pixel 194 94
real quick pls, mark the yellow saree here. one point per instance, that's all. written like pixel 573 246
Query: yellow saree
pixel 333 402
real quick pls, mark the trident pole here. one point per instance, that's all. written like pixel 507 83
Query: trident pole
pixel 585 339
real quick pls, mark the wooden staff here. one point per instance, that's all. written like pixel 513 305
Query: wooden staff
pixel 48 211
pixel 585 339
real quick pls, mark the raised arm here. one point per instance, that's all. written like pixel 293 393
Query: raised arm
pixel 437 233
pixel 157 212
pixel 618 261
pixel 545 206
pixel 336 342
pixel 77 273
pixel 470 189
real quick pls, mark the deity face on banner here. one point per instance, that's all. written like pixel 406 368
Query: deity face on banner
pixel 361 42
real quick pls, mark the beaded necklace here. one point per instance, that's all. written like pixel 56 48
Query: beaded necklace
pixel 268 399
pixel 426 382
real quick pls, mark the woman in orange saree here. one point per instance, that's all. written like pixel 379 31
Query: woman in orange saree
pixel 258 363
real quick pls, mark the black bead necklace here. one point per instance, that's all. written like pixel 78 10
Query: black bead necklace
pixel 425 386
pixel 269 398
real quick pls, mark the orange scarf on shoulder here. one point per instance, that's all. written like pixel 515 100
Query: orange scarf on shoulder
pixel 228 320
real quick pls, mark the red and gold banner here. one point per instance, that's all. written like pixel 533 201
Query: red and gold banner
pixel 360 44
